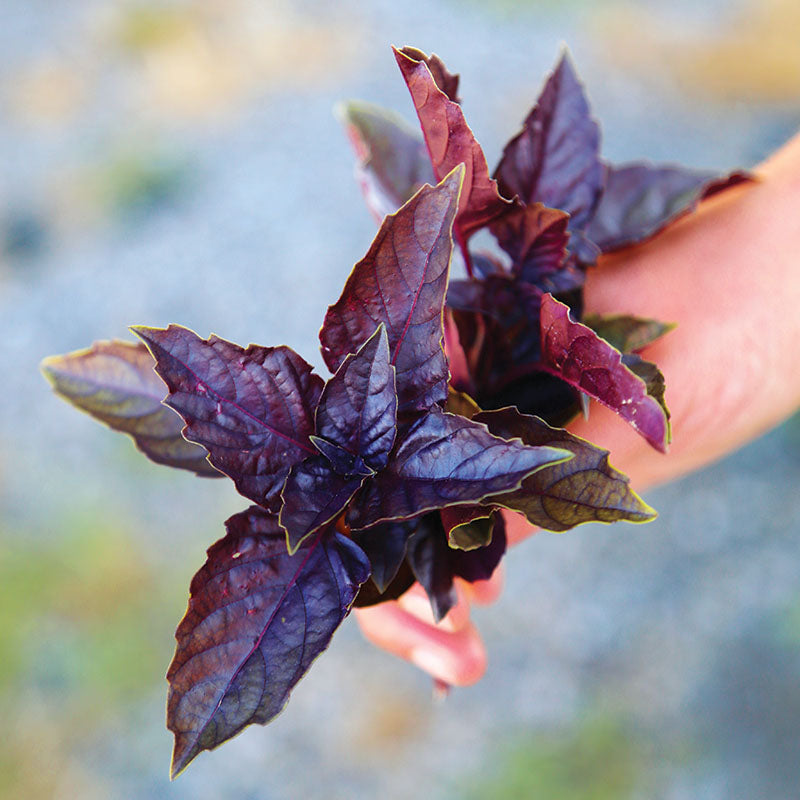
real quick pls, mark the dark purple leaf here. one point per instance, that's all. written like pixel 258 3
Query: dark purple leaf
pixel 555 158
pixel 450 142
pixel 115 383
pixel 252 409
pixel 340 460
pixel 401 282
pixel 313 496
pixel 627 334
pixel 370 595
pixel 358 407
pixel 498 328
pixel 356 422
pixel 535 237
pixel 257 618
pixel 575 353
pixel 584 489
pixel 642 199
pixel 445 460
pixel 435 564
pixel 393 161
pixel 385 546
pixel 467 527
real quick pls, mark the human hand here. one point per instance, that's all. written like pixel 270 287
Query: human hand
pixel 728 275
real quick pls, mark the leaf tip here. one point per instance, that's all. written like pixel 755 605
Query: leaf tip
pixel 181 758
pixel 48 366
pixel 453 182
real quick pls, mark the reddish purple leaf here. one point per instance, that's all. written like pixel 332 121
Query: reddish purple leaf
pixel 626 333
pixel 445 80
pixel 358 407
pixel 642 199
pixel 257 619
pixel 445 460
pixel 555 158
pixel 252 409
pixel 401 282
pixel 535 237
pixel 450 142
pixel 435 564
pixel 651 375
pixel 393 162
pixel 115 383
pixel 584 489
pixel 575 353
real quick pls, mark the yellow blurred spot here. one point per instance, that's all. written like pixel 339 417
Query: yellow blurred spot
pixel 753 55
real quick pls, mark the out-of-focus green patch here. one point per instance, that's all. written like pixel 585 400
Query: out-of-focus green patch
pixel 789 625
pixel 137 182
pixel 83 638
pixel 80 615
pixel 599 759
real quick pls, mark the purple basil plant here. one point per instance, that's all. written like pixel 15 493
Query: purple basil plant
pixel 397 467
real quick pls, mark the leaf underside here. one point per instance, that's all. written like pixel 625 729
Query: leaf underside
pixel 257 619
pixel 393 163
pixel 114 382
pixel 642 199
pixel 584 489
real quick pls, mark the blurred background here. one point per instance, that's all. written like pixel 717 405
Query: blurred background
pixel 180 162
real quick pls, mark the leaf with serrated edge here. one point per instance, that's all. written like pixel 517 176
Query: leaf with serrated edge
pixel 555 158
pixel 627 333
pixel 252 409
pixel 358 407
pixel 642 199
pixel 257 619
pixel 445 460
pixel 577 355
pixel 450 142
pixel 584 489
pixel 393 162
pixel 402 282
pixel 114 382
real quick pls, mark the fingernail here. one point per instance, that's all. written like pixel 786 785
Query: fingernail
pixel 432 663
pixel 420 608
